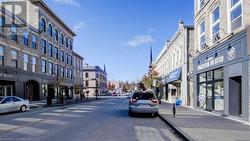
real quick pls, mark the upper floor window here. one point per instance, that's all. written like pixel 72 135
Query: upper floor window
pixel 33 64
pixel 34 38
pixel 50 30
pixel 56 34
pixel 14 58
pixel 201 3
pixel 43 25
pixel 202 36
pixel 50 50
pixel 62 56
pixel 1 56
pixel 13 33
pixel 67 58
pixel 43 46
pixel 67 42
pixel 86 75
pixel 55 52
pixel 70 74
pixel 43 66
pixel 56 69
pixel 25 61
pixel 61 39
pixel 70 45
pixel 87 83
pixel 70 60
pixel 236 14
pixel 66 73
pixel 50 68
pixel 26 38
pixel 215 24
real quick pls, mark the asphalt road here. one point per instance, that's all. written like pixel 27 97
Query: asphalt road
pixel 102 120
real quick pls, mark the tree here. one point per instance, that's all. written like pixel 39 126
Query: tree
pixel 149 78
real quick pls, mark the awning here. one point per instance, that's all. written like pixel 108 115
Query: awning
pixel 174 76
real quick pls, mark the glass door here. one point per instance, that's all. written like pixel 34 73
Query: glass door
pixel 209 100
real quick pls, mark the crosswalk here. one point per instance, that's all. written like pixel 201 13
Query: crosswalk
pixel 57 117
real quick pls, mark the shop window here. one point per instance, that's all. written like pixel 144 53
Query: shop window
pixel 202 96
pixel 218 96
pixel 218 74
pixel 210 76
pixel 45 89
pixel 202 77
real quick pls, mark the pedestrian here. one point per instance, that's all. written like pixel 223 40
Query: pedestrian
pixel 174 110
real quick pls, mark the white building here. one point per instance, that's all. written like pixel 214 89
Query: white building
pixel 173 65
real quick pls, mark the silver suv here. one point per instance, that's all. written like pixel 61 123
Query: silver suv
pixel 143 102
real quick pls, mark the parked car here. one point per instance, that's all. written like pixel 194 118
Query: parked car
pixel 13 103
pixel 143 102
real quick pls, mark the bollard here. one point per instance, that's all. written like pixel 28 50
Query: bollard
pixel 174 110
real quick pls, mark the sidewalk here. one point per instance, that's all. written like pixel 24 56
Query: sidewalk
pixel 203 126
pixel 42 104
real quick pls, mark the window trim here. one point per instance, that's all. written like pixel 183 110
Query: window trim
pixel 230 9
pixel 201 34
pixel 214 24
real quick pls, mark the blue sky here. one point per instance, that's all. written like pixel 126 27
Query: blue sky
pixel 118 33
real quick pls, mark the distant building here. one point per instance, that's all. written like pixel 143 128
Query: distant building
pixel 78 75
pixel 94 78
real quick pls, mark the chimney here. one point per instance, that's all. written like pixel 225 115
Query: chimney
pixel 181 24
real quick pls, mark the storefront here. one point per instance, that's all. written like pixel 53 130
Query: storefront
pixel 221 78
pixel 174 85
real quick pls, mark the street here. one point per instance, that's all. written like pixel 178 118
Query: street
pixel 102 120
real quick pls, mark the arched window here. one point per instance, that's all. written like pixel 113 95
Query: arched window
pixel 70 45
pixel 67 42
pixel 56 34
pixel 62 39
pixel 50 30
pixel 43 25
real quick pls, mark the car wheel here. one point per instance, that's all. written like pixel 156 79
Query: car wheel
pixel 23 108
pixel 156 114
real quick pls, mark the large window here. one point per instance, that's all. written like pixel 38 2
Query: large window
pixel 211 90
pixel 13 33
pixel 62 56
pixel 61 39
pixel 66 58
pixel 215 24
pixel 50 50
pixel 67 42
pixel 43 46
pixel 43 25
pixel 56 69
pixel 50 68
pixel 34 38
pixel 56 34
pixel 25 62
pixel 236 14
pixel 70 60
pixel 202 36
pixel 14 58
pixel 1 56
pixel 43 66
pixel 70 45
pixel 26 38
pixel 50 30
pixel 33 64
pixel 55 52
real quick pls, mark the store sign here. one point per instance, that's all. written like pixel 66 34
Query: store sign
pixel 174 76
pixel 211 62
pixel 5 75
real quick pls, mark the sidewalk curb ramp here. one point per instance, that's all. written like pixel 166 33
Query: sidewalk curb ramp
pixel 176 129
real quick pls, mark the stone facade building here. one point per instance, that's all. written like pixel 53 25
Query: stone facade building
pixel 174 66
pixel 221 66
pixel 95 78
pixel 36 52
pixel 78 75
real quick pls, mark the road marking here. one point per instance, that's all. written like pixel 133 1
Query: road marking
pixel 81 108
pixel 70 115
pixel 29 119
pixel 55 122
pixel 5 127
pixel 60 111
pixel 147 134
pixel 30 131
pixel 50 114
pixel 80 111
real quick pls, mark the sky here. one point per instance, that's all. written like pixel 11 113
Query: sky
pixel 118 33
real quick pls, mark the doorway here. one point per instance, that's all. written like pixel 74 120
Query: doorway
pixel 235 96
pixel 32 90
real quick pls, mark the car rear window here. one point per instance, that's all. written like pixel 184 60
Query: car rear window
pixel 143 96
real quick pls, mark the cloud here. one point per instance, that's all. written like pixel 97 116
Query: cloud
pixel 140 40
pixel 68 2
pixel 80 25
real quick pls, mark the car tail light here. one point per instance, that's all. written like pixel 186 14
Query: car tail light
pixel 132 100
pixel 155 100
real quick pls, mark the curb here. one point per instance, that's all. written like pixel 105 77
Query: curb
pixel 176 129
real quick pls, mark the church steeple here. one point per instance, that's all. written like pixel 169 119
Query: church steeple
pixel 104 68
